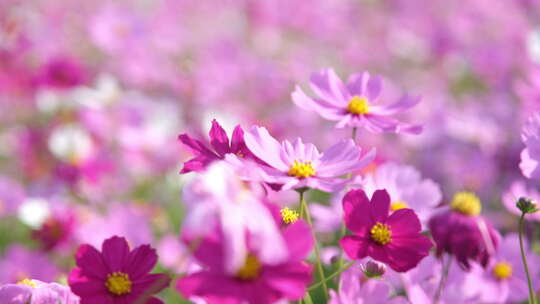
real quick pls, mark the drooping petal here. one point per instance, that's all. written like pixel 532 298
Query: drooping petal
pixel 265 147
pixel 219 139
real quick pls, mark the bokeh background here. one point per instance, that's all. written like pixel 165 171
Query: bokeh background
pixel 93 95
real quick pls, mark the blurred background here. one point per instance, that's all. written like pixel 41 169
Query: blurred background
pixel 93 95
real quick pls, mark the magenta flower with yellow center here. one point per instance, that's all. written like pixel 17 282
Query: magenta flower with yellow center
pixel 355 104
pixel 116 274
pixel 298 165
pixel 393 239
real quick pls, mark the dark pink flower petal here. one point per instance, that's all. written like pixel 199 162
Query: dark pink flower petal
pixel 354 246
pixel 83 286
pixel 115 252
pixel 299 241
pixel 356 208
pixel 91 261
pixel 291 279
pixel 196 164
pixel 151 283
pixel 141 261
pixel 237 140
pixel 154 300
pixel 211 286
pixel 406 252
pixel 219 139
pixel 380 205
pixel 98 298
pixel 403 222
pixel 195 146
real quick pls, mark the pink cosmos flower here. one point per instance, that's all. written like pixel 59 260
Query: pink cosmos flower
pixel 219 142
pixel 255 281
pixel 392 239
pixel 355 104
pixel 504 279
pixel 462 232
pixel 299 165
pixel 34 291
pixel 116 274
pixel 530 156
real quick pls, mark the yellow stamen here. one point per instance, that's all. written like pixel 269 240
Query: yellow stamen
pixel 289 216
pixel 251 268
pixel 358 105
pixel 466 203
pixel 502 270
pixel 27 282
pixel 398 205
pixel 381 233
pixel 301 169
pixel 118 283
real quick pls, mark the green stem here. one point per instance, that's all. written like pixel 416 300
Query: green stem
pixel 316 246
pixel 307 299
pixel 444 275
pixel 302 210
pixel 333 275
pixel 532 299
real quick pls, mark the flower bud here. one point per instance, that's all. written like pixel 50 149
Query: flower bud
pixel 526 205
pixel 373 269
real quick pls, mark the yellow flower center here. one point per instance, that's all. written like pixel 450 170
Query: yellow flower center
pixel 289 216
pixel 251 268
pixel 118 283
pixel 27 282
pixel 381 234
pixel 301 169
pixel 398 205
pixel 502 270
pixel 358 105
pixel 466 203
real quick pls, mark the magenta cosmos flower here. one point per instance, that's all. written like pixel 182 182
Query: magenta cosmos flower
pixel 462 232
pixel 255 281
pixel 299 165
pixel 392 239
pixel 36 292
pixel 530 156
pixel 219 142
pixel 116 274
pixel 355 104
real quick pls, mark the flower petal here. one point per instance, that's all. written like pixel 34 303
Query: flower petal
pixel 356 208
pixel 404 222
pixel 265 147
pixel 329 87
pixel 219 139
pixel 91 262
pixel 141 261
pixel 380 205
pixel 115 252
pixel 354 246
pixel 326 110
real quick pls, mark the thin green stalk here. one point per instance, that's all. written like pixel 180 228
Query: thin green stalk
pixel 316 246
pixel 333 275
pixel 532 298
pixel 307 299
pixel 302 210
pixel 444 276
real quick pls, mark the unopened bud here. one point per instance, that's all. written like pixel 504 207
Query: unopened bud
pixel 526 205
pixel 372 269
